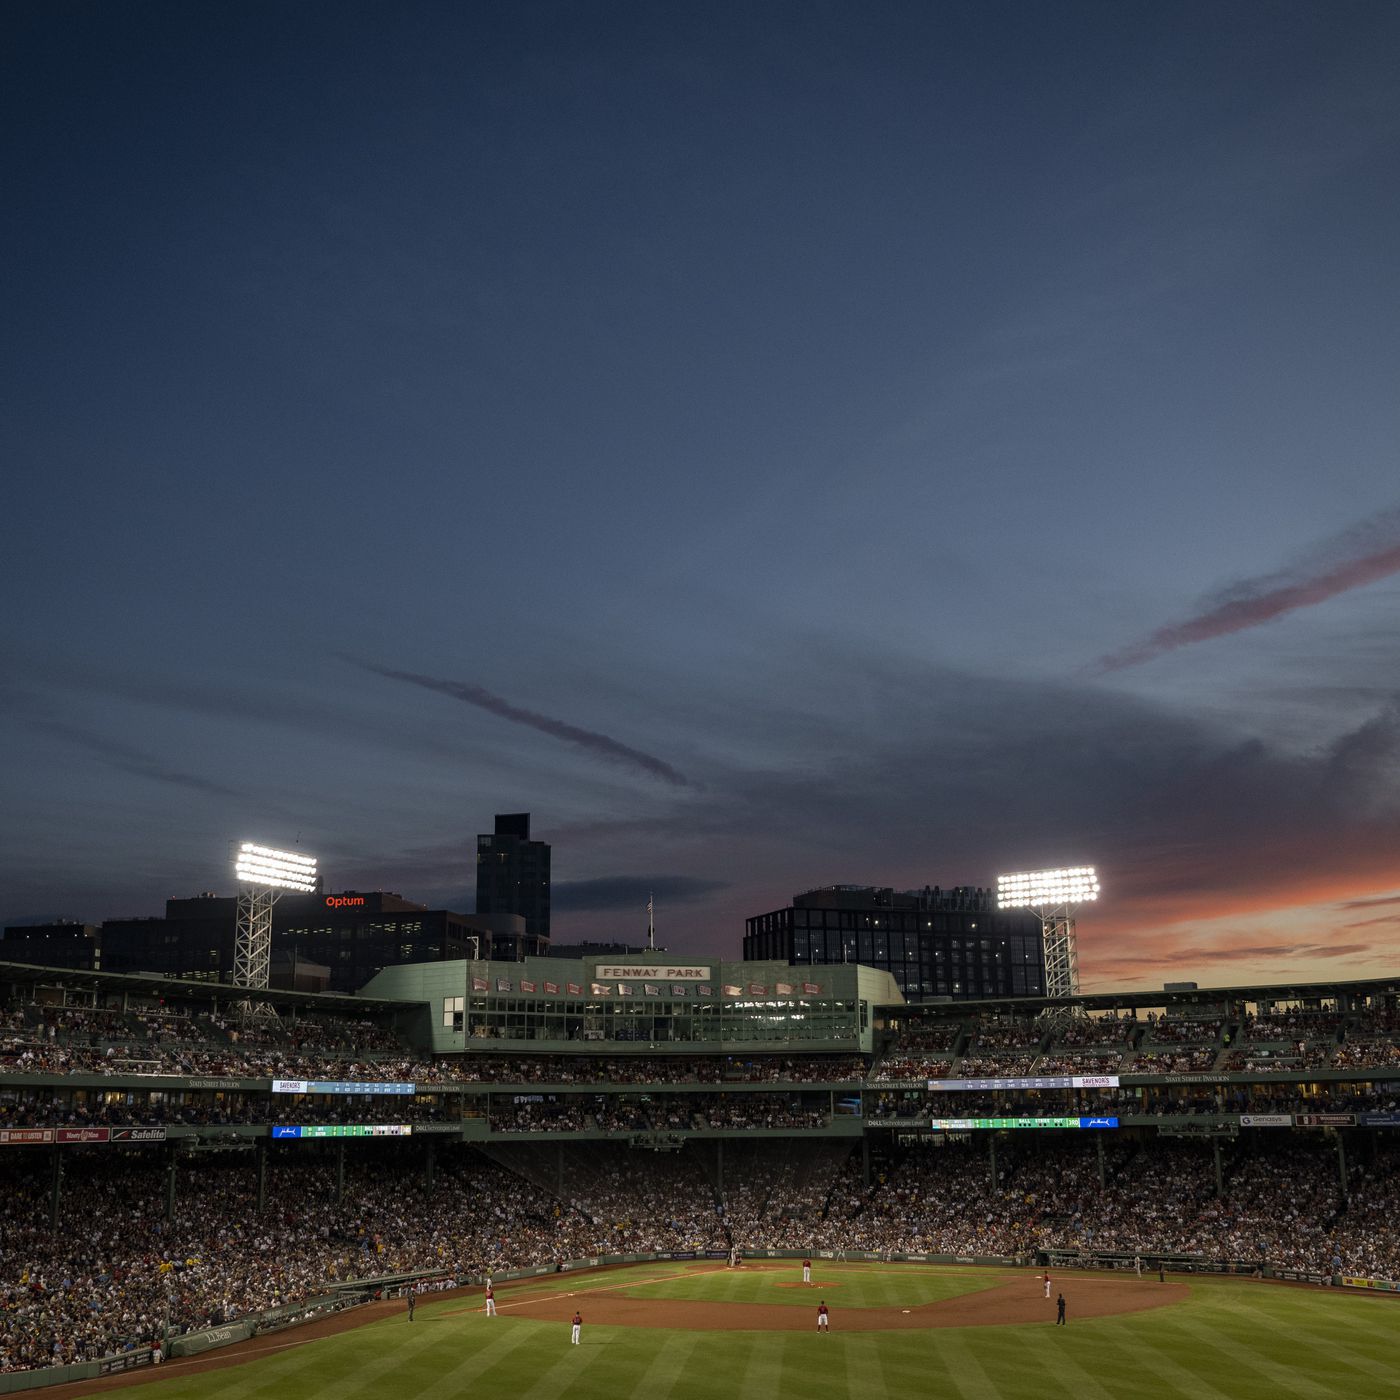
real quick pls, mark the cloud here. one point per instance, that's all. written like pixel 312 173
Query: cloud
pixel 1362 556
pixel 607 892
pixel 130 760
pixel 586 739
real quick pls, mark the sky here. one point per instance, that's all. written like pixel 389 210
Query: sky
pixel 775 445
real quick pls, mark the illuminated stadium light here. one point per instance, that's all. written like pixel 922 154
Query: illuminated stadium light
pixel 263 873
pixel 1053 895
pixel 1041 889
pixel 273 869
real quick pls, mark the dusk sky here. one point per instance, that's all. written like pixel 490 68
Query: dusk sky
pixel 773 444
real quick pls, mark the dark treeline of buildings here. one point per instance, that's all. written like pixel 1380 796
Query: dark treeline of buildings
pixel 937 943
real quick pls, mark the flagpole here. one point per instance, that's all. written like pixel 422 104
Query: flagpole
pixel 651 924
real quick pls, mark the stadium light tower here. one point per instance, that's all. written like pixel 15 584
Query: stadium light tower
pixel 1053 896
pixel 263 873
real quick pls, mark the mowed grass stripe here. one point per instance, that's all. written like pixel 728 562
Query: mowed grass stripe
pixel 966 1373
pixel 1192 1375
pixel 661 1377
pixel 1233 1353
pixel 1338 1344
pixel 1046 1357
pixel 865 1369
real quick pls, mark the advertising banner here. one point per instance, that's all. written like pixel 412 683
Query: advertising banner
pixel 1325 1120
pixel 138 1135
pixel 962 1125
pixel 337 1086
pixel 1266 1120
pixel 340 1130
pixel 1380 1120
pixel 127 1361
pixel 82 1135
pixel 1054 1081
pixel 20 1137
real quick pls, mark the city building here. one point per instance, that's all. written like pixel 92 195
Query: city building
pixel 935 942
pixel 353 934
pixel 512 876
pixel 61 944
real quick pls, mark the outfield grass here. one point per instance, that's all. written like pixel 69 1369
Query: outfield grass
pixel 1230 1340
pixel 846 1285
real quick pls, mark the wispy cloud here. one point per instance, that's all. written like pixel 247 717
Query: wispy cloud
pixel 130 760
pixel 1362 556
pixel 590 740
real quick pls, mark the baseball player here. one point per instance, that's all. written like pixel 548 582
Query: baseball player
pixel 807 1272
pixel 490 1300
pixel 1047 1285
pixel 823 1317
pixel 412 1301
pixel 578 1329
pixel 1060 1311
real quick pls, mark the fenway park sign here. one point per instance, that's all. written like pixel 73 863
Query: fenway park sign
pixel 643 972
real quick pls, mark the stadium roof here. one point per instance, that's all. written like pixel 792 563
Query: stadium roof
pixel 189 989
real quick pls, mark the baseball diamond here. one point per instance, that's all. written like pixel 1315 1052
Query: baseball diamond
pixel 1209 1180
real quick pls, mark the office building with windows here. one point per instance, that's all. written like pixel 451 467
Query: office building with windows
pixel 935 942
pixel 512 876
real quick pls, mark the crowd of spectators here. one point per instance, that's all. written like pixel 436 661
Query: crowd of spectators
pixel 116 1271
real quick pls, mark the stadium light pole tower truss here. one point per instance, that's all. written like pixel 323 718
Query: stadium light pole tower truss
pixel 263 873
pixel 1052 896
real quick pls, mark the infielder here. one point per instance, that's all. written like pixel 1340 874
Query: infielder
pixel 823 1317
pixel 578 1329
pixel 490 1301
pixel 1047 1285
pixel 807 1271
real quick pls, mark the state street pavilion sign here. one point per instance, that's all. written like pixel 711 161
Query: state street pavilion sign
pixel 650 972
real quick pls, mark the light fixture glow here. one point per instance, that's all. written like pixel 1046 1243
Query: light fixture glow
pixel 279 870
pixel 1039 889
